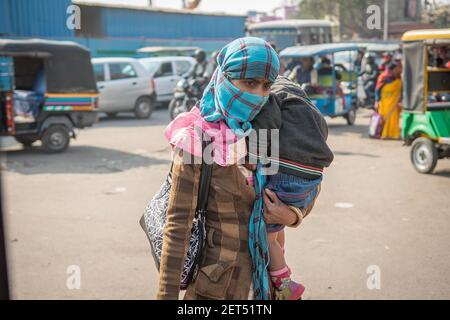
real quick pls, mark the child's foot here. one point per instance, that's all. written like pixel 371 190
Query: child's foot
pixel 289 290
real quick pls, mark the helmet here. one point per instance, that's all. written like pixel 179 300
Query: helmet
pixel 200 55
pixel 370 57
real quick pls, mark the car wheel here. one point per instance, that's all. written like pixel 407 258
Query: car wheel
pixel 143 108
pixel 25 141
pixel 55 139
pixel 424 155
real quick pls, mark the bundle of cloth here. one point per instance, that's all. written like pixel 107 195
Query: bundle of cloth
pixel 26 105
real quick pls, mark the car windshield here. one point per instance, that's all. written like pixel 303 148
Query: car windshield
pixel 149 65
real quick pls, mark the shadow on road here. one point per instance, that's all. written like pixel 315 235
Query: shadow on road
pixel 442 173
pixel 347 153
pixel 77 159
pixel 344 128
pixel 128 120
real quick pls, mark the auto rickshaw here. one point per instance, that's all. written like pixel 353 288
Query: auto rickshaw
pixel 47 89
pixel 426 96
pixel 335 94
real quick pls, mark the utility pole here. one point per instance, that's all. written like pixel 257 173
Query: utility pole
pixel 149 3
pixel 386 19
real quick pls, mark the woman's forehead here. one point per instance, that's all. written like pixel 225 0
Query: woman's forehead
pixel 260 80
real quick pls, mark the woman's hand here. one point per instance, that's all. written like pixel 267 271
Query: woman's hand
pixel 275 211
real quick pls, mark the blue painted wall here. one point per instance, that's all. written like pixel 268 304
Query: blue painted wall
pixel 31 18
pixel 5 18
pixel 133 23
pixel 124 30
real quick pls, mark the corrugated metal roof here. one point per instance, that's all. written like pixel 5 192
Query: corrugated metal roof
pixel 152 9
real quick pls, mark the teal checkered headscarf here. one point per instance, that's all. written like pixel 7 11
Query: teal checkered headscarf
pixel 244 58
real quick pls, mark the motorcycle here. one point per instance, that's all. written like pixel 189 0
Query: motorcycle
pixel 187 93
pixel 366 94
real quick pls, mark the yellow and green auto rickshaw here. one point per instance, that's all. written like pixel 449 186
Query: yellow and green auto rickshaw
pixel 426 96
pixel 47 89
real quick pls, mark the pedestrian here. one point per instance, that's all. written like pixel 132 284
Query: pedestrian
pixel 305 73
pixel 237 92
pixel 388 96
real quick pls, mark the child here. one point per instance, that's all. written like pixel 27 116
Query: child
pixel 303 153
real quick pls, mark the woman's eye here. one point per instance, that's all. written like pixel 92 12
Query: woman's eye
pixel 267 86
pixel 250 83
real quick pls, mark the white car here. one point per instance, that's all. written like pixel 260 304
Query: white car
pixel 124 85
pixel 166 72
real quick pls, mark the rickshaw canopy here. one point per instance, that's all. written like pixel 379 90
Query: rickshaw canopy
pixel 416 77
pixel 67 64
pixel 317 50
pixel 379 46
pixel 426 34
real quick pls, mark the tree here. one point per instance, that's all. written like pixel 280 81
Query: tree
pixel 352 14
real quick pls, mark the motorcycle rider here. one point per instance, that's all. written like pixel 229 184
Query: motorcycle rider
pixel 191 87
pixel 369 76
pixel 198 72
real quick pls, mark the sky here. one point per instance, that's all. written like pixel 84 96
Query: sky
pixel 228 6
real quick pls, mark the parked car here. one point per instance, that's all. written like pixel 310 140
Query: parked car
pixel 124 85
pixel 166 72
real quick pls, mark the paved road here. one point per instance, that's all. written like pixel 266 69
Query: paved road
pixel 81 208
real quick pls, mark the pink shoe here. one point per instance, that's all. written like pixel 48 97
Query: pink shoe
pixel 289 290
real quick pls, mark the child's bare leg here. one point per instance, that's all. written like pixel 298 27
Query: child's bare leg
pixel 281 239
pixel 286 289
pixel 277 261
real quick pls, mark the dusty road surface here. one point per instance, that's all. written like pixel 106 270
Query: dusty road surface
pixel 379 229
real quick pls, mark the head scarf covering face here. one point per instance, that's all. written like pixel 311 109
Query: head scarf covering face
pixel 244 58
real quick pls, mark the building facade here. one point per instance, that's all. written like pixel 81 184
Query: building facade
pixel 117 30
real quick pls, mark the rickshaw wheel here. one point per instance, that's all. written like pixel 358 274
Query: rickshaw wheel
pixel 424 155
pixel 55 139
pixel 351 116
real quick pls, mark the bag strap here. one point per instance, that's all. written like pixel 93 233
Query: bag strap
pixel 205 178
pixel 205 182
